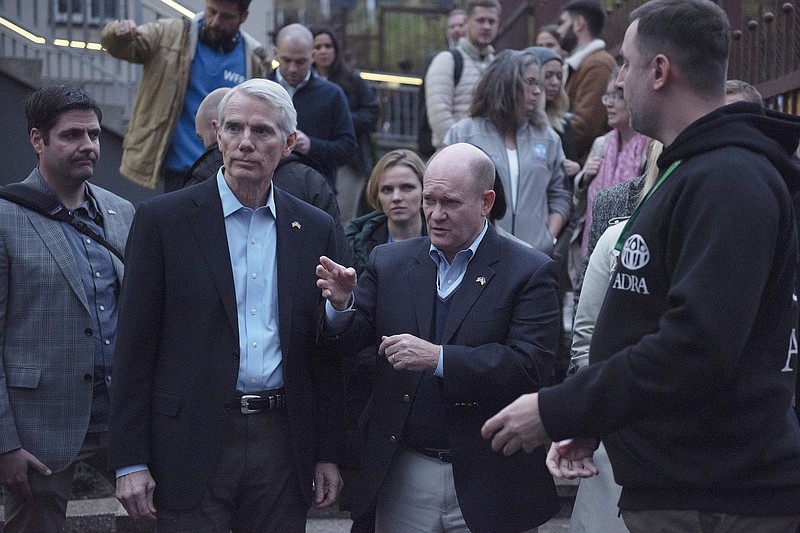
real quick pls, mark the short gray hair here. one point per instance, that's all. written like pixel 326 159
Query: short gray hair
pixel 270 92
pixel 748 92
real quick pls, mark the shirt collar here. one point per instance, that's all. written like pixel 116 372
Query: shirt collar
pixel 285 84
pixel 90 204
pixel 438 256
pixel 576 58
pixel 472 50
pixel 231 204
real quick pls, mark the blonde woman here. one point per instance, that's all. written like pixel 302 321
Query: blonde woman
pixel 596 503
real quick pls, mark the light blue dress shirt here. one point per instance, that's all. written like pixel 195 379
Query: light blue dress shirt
pixel 101 285
pixel 449 277
pixel 252 242
pixel 252 245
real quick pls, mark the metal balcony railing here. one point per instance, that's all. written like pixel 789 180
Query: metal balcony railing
pixel 66 65
pixel 765 45
pixel 399 115
pixel 70 51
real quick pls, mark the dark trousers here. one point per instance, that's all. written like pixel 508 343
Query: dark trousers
pixel 669 521
pixel 47 512
pixel 254 488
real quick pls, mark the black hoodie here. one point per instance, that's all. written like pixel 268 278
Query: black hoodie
pixel 694 352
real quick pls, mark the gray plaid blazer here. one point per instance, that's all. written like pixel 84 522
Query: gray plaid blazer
pixel 45 329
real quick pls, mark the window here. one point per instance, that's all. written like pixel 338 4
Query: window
pixel 92 11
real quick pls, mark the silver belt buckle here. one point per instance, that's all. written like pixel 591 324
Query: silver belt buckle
pixel 246 402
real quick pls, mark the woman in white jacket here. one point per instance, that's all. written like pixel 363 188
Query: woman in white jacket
pixel 507 122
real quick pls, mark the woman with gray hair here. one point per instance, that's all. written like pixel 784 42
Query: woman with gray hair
pixel 507 121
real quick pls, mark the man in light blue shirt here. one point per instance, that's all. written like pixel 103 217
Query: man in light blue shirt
pixel 228 415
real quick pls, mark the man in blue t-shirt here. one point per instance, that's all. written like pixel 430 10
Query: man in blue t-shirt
pixel 183 60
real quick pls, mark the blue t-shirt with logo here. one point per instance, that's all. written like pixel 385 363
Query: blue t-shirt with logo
pixel 211 69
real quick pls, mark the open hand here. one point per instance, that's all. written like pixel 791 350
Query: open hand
pixel 337 282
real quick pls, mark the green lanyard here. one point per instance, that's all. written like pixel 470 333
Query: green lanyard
pixel 626 231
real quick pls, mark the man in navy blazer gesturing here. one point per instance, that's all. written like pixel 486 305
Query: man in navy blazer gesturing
pixel 225 413
pixel 465 320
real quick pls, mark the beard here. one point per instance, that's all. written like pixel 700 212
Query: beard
pixel 215 38
pixel 569 40
pixel 642 122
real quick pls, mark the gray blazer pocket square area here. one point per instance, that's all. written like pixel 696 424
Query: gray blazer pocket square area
pixel 23 377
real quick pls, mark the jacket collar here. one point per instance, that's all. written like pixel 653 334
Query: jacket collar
pixel 574 61
pixel 472 51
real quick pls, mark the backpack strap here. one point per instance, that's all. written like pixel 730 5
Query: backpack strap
pixel 458 65
pixel 47 206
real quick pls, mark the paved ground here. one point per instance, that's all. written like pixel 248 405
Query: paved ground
pixel 557 525
pixel 333 525
pixel 104 515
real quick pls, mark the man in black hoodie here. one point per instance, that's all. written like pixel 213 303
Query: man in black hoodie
pixel 694 352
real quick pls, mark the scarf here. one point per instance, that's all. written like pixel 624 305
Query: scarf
pixel 617 167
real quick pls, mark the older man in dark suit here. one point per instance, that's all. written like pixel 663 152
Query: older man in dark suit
pixel 225 413
pixel 465 320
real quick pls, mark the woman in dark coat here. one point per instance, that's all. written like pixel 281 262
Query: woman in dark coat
pixel 364 107
pixel 395 191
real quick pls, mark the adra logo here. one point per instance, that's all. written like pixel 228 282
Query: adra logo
pixel 635 254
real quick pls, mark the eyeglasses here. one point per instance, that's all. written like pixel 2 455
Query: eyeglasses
pixel 612 98
pixel 532 83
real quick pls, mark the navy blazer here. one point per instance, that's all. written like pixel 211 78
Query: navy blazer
pixel 177 354
pixel 499 342
pixel 324 115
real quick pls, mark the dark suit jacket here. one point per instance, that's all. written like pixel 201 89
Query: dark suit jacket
pixel 499 343
pixel 177 357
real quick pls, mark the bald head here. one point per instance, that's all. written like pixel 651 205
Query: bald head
pixel 295 33
pixel 474 167
pixel 293 47
pixel 205 121
pixel 457 197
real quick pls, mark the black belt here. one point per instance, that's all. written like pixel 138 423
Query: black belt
pixel 255 403
pixel 445 456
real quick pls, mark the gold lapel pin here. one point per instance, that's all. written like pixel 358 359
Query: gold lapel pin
pixel 296 224
pixel 481 280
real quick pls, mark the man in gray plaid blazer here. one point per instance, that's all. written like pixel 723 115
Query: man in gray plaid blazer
pixel 58 299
